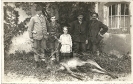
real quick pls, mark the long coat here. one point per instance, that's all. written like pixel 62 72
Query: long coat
pixel 96 27
pixel 37 27
pixel 79 31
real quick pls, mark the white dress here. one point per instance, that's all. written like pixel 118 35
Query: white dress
pixel 66 43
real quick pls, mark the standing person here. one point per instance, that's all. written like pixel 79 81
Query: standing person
pixel 37 29
pixel 96 31
pixel 53 30
pixel 66 44
pixel 79 34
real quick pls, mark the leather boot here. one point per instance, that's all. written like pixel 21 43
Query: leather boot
pixel 37 64
pixel 43 64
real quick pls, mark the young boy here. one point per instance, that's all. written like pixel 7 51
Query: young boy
pixel 66 44
pixel 54 30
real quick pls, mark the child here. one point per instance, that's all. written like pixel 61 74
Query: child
pixel 54 30
pixel 66 45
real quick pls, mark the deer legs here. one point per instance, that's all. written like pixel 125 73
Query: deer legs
pixel 99 69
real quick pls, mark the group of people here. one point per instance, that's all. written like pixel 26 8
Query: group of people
pixel 81 36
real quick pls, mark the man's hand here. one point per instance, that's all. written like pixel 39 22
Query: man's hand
pixel 47 33
pixel 34 32
pixel 86 41
pixel 55 37
pixel 31 39
pixel 100 34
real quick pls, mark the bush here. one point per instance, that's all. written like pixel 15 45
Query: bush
pixel 11 26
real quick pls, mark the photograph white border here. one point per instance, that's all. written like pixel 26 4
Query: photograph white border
pixel 66 82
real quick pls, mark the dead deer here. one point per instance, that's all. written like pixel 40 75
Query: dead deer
pixel 75 62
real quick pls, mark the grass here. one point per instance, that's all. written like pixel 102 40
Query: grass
pixel 114 64
pixel 22 64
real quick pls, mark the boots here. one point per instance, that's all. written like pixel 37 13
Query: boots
pixel 37 65
pixel 43 64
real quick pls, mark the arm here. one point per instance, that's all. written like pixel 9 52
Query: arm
pixel 31 27
pixel 89 30
pixel 47 24
pixel 60 39
pixel 104 29
pixel 59 31
pixel 71 28
pixel 70 40
pixel 87 33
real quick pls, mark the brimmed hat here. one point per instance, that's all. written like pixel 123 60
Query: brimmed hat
pixel 95 13
pixel 52 15
pixel 80 14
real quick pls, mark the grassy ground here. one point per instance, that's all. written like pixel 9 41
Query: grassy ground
pixel 20 66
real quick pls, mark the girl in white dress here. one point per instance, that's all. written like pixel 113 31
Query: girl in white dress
pixel 66 44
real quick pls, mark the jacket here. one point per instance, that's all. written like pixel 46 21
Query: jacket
pixel 37 27
pixel 95 29
pixel 79 31
pixel 54 30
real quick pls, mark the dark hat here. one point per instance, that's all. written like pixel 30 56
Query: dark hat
pixel 80 14
pixel 52 15
pixel 95 14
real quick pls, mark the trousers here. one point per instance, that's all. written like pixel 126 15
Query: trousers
pixel 39 47
pixel 94 47
pixel 79 47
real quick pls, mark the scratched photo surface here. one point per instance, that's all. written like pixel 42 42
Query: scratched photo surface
pixel 66 41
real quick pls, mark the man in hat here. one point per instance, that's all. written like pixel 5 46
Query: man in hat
pixel 79 34
pixel 96 31
pixel 37 29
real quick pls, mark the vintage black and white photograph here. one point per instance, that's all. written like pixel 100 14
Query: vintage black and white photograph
pixel 75 41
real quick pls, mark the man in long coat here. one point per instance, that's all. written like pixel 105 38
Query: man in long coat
pixel 79 34
pixel 96 31
pixel 38 33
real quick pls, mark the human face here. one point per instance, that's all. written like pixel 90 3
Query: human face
pixel 65 30
pixel 80 17
pixel 94 16
pixel 39 12
pixel 53 19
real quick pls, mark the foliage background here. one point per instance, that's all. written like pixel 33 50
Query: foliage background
pixel 65 12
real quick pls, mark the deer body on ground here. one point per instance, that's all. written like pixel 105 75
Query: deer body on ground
pixel 72 64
